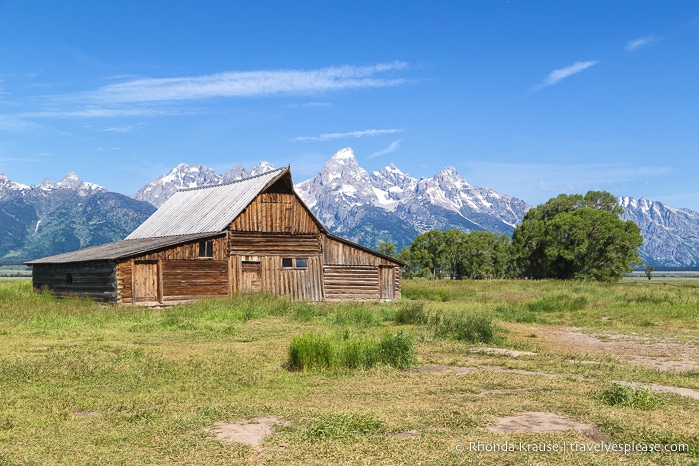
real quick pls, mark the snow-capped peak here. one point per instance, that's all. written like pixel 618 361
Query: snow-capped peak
pixel 344 154
pixel 74 183
pixel 262 167
pixel 8 186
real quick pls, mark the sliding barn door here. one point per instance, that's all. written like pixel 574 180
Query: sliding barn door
pixel 251 279
pixel 387 283
pixel 146 282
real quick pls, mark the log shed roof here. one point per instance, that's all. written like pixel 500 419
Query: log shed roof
pixel 122 249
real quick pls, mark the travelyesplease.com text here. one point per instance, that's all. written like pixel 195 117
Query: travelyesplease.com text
pixel 570 447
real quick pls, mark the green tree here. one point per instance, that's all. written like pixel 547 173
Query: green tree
pixel 649 271
pixel 410 269
pixel 387 248
pixel 485 255
pixel 428 250
pixel 452 253
pixel 574 236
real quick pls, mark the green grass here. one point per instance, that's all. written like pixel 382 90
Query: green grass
pixel 85 383
pixel 629 397
pixel 347 350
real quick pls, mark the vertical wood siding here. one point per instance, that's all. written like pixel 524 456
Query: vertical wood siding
pixel 300 284
pixel 339 253
pixel 275 213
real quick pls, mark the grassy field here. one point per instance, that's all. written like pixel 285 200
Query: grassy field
pixel 420 381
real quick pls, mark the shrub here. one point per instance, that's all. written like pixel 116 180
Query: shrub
pixel 639 398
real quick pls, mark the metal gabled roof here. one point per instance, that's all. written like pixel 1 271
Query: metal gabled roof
pixel 120 249
pixel 205 209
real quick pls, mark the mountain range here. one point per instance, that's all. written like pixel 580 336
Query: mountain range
pixel 51 218
pixel 366 207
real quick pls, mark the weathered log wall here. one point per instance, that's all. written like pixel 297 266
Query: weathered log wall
pixel 96 280
pixel 351 283
pixel 274 244
pixel 180 274
pixel 350 272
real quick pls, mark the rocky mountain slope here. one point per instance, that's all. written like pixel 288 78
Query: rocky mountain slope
pixel 52 218
pixel 670 235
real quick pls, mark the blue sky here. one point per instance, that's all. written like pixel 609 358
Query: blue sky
pixel 531 98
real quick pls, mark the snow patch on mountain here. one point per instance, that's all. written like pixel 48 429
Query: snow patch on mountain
pixel 670 235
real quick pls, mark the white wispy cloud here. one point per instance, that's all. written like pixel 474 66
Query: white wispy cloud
pixel 97 113
pixel 560 74
pixel 638 43
pixel 251 84
pixel 391 148
pixel 346 135
pixel 10 124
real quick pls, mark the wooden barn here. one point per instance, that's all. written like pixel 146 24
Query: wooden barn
pixel 251 235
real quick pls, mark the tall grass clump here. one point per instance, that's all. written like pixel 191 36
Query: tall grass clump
pixel 472 327
pixel 410 313
pixel 312 350
pixel 346 350
pixel 639 398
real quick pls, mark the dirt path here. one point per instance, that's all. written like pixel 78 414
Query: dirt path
pixel 661 355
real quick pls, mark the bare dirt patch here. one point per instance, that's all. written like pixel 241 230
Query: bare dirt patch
pixel 249 432
pixel 663 389
pixel 661 355
pixel 544 422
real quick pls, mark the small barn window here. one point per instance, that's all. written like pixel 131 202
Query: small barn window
pixel 300 262
pixel 69 278
pixel 206 248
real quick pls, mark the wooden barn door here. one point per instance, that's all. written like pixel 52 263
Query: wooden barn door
pixel 251 279
pixel 387 283
pixel 146 282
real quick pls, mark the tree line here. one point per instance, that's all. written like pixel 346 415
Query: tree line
pixel 569 237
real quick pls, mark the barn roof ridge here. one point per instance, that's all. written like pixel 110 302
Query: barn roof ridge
pixel 206 209
pixel 209 186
